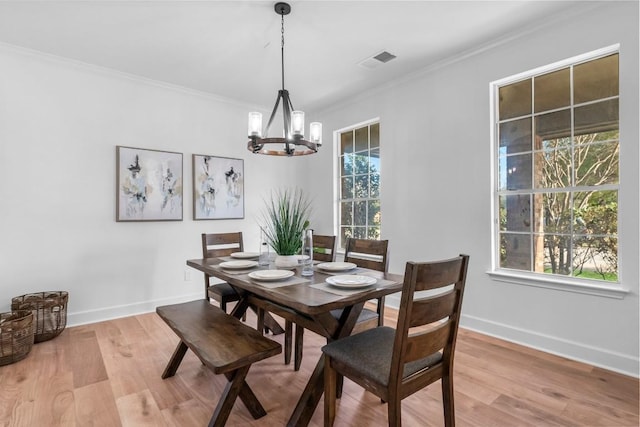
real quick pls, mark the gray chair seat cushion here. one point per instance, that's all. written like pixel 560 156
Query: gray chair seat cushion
pixel 223 289
pixel 369 354
pixel 365 314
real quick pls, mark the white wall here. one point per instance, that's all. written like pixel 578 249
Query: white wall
pixel 59 125
pixel 436 190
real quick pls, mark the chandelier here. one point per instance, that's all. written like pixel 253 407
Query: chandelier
pixel 293 143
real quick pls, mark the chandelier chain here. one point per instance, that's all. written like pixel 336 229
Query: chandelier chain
pixel 282 47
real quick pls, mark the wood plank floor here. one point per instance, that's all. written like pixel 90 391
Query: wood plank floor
pixel 108 374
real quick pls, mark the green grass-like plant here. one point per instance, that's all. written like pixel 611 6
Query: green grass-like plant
pixel 286 217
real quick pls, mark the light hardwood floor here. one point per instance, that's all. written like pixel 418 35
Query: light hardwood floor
pixel 108 374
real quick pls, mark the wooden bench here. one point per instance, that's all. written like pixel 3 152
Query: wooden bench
pixel 223 344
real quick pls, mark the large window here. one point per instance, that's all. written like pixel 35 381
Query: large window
pixel 359 182
pixel 556 158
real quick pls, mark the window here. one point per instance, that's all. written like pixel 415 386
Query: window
pixel 359 183
pixel 556 140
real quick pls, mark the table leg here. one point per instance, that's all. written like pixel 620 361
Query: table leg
pixel 315 386
pixel 241 307
pixel 271 323
pixel 310 397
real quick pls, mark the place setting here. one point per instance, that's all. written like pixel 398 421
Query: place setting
pixel 245 255
pixel 337 268
pixel 237 266
pixel 276 278
pixel 351 281
pixel 239 256
pixel 346 284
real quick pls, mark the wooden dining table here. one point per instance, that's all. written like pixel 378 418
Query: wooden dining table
pixel 307 301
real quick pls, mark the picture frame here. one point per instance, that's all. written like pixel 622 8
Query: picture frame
pixel 218 187
pixel 149 185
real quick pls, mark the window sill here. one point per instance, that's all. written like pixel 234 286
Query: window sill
pixel 614 290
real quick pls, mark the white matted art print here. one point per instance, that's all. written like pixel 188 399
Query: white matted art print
pixel 218 187
pixel 148 185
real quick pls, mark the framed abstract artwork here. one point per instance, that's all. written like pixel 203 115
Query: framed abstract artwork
pixel 218 187
pixel 148 185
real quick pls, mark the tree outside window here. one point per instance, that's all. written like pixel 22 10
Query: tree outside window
pixel 359 183
pixel 558 159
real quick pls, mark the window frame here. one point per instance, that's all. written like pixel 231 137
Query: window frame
pixel 337 175
pixel 530 278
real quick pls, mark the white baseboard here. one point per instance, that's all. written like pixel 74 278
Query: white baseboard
pixel 108 313
pixel 603 358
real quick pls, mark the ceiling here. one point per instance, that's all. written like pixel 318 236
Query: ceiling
pixel 232 48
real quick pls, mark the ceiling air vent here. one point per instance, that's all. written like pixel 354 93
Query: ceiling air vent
pixel 376 60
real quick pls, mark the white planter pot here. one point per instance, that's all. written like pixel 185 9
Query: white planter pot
pixel 286 261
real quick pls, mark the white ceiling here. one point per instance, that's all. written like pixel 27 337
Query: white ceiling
pixel 232 48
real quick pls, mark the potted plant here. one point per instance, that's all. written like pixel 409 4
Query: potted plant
pixel 286 217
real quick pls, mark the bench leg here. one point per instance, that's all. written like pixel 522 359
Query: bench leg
pixel 249 399
pixel 229 395
pixel 234 388
pixel 175 360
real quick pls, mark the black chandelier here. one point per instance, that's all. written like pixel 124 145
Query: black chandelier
pixel 293 143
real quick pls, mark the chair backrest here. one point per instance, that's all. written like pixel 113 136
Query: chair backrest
pixel 428 324
pixel 221 244
pixel 324 248
pixel 371 254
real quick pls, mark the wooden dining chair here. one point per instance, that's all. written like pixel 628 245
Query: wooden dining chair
pixel 214 246
pixel 372 254
pixel 394 364
pixel 324 248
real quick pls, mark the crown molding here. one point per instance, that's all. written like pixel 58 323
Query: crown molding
pixel 97 69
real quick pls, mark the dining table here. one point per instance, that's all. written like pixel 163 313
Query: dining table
pixel 305 300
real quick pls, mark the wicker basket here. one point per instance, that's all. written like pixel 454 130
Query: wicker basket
pixel 16 336
pixel 49 312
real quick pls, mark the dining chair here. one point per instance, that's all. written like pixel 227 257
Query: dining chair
pixel 324 248
pixel 394 364
pixel 374 255
pixel 371 254
pixel 219 245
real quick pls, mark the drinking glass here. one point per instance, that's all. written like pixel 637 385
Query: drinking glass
pixel 264 249
pixel 307 253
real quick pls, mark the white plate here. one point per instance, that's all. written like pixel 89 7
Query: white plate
pixel 245 255
pixel 238 265
pixel 352 281
pixel 336 266
pixel 271 275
